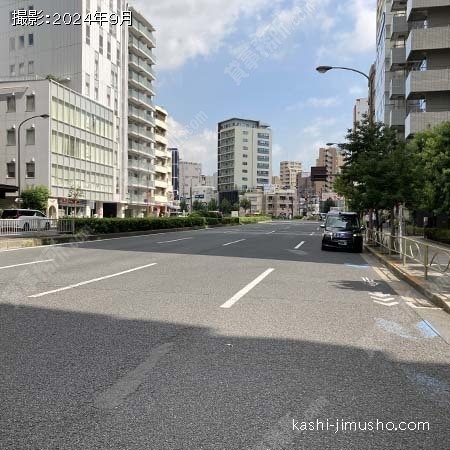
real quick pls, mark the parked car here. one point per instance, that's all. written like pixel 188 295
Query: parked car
pixel 343 230
pixel 27 219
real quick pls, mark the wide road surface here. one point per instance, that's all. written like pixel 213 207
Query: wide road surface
pixel 221 339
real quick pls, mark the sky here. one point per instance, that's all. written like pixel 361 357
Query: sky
pixel 218 59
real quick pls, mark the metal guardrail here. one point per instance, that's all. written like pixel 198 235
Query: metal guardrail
pixel 30 226
pixel 430 257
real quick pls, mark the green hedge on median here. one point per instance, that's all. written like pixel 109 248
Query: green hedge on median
pixel 116 225
pixel 438 234
pixel 254 219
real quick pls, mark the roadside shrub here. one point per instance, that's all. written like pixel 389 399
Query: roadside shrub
pixel 438 234
pixel 255 219
pixel 117 225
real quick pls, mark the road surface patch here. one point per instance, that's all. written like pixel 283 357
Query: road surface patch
pixel 26 264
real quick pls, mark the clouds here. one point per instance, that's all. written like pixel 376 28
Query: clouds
pixel 190 28
pixel 359 38
pixel 195 141
pixel 314 102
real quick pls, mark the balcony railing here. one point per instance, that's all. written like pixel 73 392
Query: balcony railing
pixel 142 183
pixel 142 64
pixel 427 39
pixel 142 47
pixel 141 80
pixel 148 34
pixel 418 121
pixel 144 99
pixel 141 131
pixel 141 114
pixel 420 82
pixel 141 166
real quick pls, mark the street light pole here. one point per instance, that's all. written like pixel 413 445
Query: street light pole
pixel 42 116
pixel 325 69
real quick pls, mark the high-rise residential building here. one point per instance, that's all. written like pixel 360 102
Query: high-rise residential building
pixel 163 197
pixel 412 75
pixel 333 159
pixel 141 117
pixel 175 173
pixel 288 173
pixel 190 176
pixel 244 155
pixel 360 110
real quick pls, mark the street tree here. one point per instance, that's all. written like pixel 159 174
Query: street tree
pixel 213 205
pixel 246 204
pixel 36 198
pixel 328 204
pixel 225 206
pixel 198 206
pixel 183 205
pixel 75 195
pixel 432 148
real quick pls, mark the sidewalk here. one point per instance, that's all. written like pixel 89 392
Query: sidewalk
pixel 436 288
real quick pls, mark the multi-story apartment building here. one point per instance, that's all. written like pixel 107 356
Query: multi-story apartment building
pixel 73 149
pixel 244 155
pixel 175 173
pixel 163 198
pixel 190 176
pixel 333 159
pixel 412 87
pixel 282 203
pixel 141 116
pixel 288 173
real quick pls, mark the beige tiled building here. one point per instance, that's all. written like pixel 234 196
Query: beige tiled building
pixel 288 173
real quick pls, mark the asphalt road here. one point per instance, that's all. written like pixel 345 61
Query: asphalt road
pixel 230 338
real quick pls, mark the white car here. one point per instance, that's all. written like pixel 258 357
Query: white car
pixel 24 220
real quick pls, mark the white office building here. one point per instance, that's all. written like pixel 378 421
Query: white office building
pixel 244 155
pixel 71 149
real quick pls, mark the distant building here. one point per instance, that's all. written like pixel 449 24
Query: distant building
pixel 360 110
pixel 244 155
pixel 333 159
pixel 204 194
pixel 190 176
pixel 276 180
pixel 282 203
pixel 288 173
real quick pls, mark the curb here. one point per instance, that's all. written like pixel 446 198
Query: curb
pixel 415 282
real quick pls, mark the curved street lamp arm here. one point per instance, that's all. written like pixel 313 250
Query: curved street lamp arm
pixel 353 70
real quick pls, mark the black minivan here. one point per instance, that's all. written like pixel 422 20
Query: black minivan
pixel 343 230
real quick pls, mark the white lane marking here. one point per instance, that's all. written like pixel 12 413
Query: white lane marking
pixel 386 304
pixel 175 240
pixel 299 245
pixel 228 304
pixel 234 242
pixel 83 283
pixel 272 232
pixel 26 264
pixel 312 234
pixel 117 393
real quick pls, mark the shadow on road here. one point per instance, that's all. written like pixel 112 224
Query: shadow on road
pixel 206 391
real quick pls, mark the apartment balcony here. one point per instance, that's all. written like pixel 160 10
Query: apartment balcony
pixel 398 5
pixel 398 58
pixel 162 169
pixel 160 199
pixel 143 33
pixel 141 132
pixel 161 154
pixel 397 88
pixel 140 82
pixel 141 49
pixel 141 166
pixel 399 27
pixel 397 117
pixel 162 139
pixel 160 123
pixel 140 115
pixel 140 183
pixel 421 5
pixel 141 150
pixel 421 82
pixel 421 121
pixel 423 40
pixel 161 184
pixel 141 65
pixel 141 99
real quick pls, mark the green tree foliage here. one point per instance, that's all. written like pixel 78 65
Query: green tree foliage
pixel 183 205
pixel 213 205
pixel 198 206
pixel 246 204
pixel 380 171
pixel 433 150
pixel 225 206
pixel 36 198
